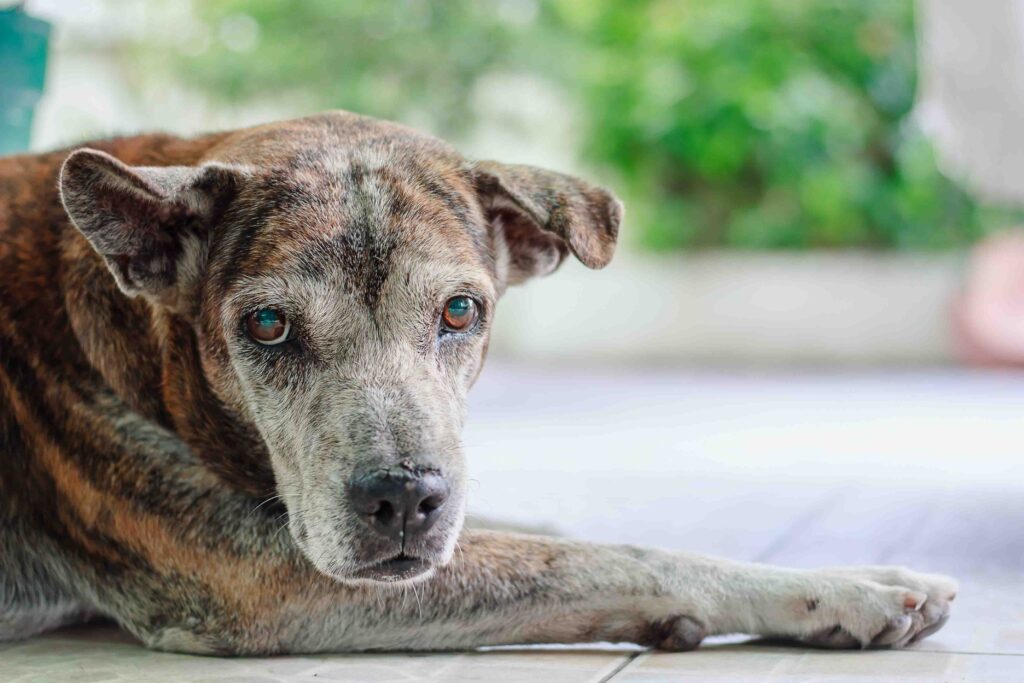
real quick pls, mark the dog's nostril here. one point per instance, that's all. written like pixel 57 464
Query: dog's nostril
pixel 384 514
pixel 429 504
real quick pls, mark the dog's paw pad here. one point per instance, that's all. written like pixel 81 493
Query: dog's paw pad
pixel 677 634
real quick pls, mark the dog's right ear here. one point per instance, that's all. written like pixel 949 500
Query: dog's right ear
pixel 149 223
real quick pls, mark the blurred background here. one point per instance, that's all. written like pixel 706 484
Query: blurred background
pixel 785 204
pixel 805 350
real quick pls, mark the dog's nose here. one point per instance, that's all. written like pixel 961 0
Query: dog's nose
pixel 399 503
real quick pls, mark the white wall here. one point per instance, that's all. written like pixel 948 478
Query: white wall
pixel 813 308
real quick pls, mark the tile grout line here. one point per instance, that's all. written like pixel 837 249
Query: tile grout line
pixel 622 666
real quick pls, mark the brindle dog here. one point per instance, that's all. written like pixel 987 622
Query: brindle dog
pixel 232 377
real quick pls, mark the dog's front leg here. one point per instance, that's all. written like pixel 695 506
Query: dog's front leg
pixel 507 589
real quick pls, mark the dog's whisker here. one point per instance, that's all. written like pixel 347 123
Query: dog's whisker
pixel 462 555
pixel 415 592
pixel 268 500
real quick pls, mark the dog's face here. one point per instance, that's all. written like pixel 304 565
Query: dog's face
pixel 341 276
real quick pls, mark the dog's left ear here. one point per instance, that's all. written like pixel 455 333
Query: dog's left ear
pixel 542 215
pixel 149 223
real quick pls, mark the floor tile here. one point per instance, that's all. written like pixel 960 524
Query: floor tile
pixel 102 653
pixel 755 664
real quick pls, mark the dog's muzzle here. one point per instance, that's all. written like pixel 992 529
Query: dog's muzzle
pixel 399 506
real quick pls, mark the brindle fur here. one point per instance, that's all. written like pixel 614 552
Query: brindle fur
pixel 156 469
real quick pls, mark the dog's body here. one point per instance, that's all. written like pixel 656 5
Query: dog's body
pixel 168 462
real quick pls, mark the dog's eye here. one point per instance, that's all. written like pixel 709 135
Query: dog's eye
pixel 460 312
pixel 268 326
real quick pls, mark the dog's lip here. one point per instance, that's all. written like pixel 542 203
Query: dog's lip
pixel 401 567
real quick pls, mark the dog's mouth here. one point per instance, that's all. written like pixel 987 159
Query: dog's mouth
pixel 401 567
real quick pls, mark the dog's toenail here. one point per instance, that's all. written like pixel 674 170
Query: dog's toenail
pixel 914 601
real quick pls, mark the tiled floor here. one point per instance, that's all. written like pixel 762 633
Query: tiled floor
pixel 923 468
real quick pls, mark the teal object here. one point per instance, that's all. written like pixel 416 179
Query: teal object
pixel 459 306
pixel 23 47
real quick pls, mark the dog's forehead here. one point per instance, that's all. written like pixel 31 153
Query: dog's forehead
pixel 356 212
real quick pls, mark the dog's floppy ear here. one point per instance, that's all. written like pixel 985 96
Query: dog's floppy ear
pixel 149 223
pixel 542 215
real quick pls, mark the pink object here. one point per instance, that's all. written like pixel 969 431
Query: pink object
pixel 989 316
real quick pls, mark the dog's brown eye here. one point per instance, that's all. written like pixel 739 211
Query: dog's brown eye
pixel 460 312
pixel 268 326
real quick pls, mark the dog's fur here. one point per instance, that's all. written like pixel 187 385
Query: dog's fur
pixel 158 467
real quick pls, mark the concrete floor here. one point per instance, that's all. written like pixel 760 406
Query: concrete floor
pixel 921 468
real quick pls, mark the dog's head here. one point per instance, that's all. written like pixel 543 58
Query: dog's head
pixel 341 276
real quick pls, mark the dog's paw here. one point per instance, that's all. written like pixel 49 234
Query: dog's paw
pixel 878 607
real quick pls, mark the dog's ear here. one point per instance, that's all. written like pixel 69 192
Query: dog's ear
pixel 149 223
pixel 542 215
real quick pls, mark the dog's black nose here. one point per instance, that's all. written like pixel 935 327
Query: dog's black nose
pixel 399 502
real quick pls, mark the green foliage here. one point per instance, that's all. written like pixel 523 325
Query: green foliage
pixel 739 123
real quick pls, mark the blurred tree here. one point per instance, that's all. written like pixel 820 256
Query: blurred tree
pixel 739 123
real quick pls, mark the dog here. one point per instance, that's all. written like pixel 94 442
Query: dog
pixel 233 372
